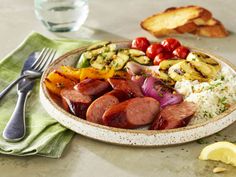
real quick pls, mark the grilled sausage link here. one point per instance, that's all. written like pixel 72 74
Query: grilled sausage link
pixel 132 113
pixel 99 106
pixel 128 86
pixel 76 102
pixel 174 116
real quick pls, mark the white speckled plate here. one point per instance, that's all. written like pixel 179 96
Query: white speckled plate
pixel 131 137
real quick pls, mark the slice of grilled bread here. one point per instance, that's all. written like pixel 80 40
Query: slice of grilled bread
pixel 175 20
pixel 210 22
pixel 190 19
pixel 212 28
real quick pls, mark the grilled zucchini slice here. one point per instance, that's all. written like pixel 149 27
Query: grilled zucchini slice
pixel 175 72
pixel 166 64
pixel 108 56
pixel 111 47
pixel 165 77
pixel 198 56
pixel 208 71
pixel 119 61
pixel 136 53
pixel 210 65
pixel 98 45
pixel 98 62
pixel 144 60
pixel 83 61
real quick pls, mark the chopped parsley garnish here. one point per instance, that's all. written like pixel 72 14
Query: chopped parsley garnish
pixel 223 100
pixel 207 114
pixel 214 86
pixel 144 74
pixel 222 77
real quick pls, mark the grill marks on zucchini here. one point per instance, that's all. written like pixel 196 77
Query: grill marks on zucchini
pixel 180 72
pixel 197 56
pixel 197 66
pixel 197 70
pixel 163 70
pixel 105 55
pixel 119 61
pixel 204 63
pixel 201 57
pixel 166 78
pixel 166 64
pixel 185 70
pixel 201 68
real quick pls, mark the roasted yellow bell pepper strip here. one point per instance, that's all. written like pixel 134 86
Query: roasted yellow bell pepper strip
pixel 56 81
pixel 70 72
pixel 95 73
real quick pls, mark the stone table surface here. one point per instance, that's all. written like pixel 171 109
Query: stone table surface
pixel 116 20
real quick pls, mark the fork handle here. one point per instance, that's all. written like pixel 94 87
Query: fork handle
pixel 9 87
pixel 15 128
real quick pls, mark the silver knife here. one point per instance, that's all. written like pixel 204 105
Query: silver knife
pixel 15 128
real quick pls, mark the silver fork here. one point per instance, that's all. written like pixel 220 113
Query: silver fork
pixel 41 63
pixel 15 128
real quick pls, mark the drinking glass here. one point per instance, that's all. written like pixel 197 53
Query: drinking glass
pixel 62 15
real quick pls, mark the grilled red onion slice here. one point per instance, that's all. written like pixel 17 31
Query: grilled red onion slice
pixel 155 88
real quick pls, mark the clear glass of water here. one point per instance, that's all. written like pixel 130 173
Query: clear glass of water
pixel 62 15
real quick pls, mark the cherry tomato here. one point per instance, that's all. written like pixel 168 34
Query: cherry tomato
pixel 162 56
pixel 181 52
pixel 153 50
pixel 170 44
pixel 140 43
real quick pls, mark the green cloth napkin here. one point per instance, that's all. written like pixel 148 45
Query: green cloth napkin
pixel 45 136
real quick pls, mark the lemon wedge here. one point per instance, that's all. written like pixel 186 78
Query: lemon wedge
pixel 220 151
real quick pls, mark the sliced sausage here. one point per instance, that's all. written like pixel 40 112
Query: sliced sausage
pixel 121 95
pixel 174 116
pixel 92 87
pixel 76 102
pixel 132 113
pixel 127 86
pixel 99 106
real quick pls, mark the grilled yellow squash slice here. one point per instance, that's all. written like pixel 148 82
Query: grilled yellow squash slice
pixel 201 57
pixel 166 64
pixel 165 77
pixel 208 71
pixel 185 70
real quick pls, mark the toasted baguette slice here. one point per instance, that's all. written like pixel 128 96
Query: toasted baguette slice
pixel 186 28
pixel 215 29
pixel 175 20
pixel 209 22
pixel 194 24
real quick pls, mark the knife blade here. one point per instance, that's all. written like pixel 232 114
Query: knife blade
pixel 27 65
pixel 27 84
pixel 15 128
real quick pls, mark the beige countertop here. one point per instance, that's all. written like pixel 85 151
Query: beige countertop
pixel 113 20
